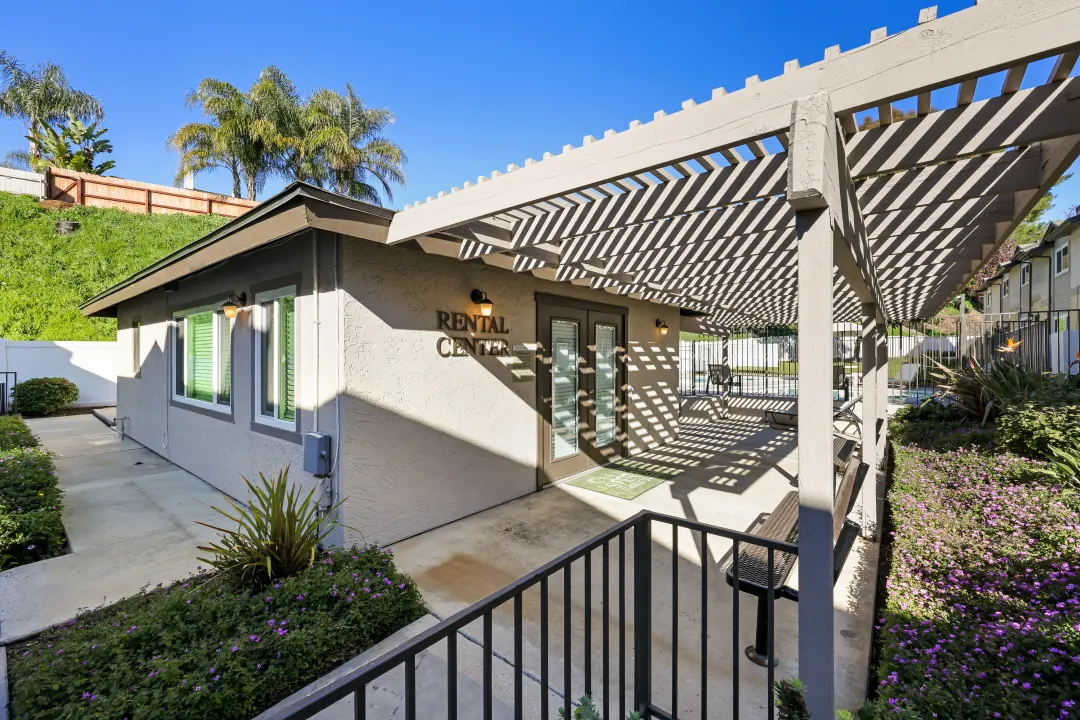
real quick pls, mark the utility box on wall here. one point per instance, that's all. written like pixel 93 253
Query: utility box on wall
pixel 317 454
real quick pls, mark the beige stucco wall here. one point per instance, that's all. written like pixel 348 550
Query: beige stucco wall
pixel 222 447
pixel 430 439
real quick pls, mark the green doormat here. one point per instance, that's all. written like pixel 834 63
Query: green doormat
pixel 625 479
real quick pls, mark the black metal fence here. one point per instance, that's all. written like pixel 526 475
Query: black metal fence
pixel 8 380
pixel 629 566
pixel 763 362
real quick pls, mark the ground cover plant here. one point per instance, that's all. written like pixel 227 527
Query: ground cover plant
pixel 45 276
pixel 201 649
pixel 981 615
pixel 31 501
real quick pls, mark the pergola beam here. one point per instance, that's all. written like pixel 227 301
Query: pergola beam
pixel 1021 118
pixel 984 39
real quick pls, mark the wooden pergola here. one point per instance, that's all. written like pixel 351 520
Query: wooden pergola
pixel 769 205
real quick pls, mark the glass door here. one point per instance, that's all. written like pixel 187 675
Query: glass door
pixel 580 390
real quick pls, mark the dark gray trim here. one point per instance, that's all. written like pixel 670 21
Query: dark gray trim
pixel 296 280
pixel 276 432
pixel 296 191
pixel 569 302
pixel 223 415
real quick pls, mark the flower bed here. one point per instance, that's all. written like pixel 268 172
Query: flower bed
pixel 982 600
pixel 30 498
pixel 197 649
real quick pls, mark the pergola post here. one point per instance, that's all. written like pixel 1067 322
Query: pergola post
pixel 882 386
pixel 813 192
pixel 870 414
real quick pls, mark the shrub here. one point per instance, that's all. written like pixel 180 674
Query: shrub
pixel 1032 429
pixel 14 433
pixel 587 710
pixel 943 436
pixel 276 535
pixel 44 396
pixel 980 612
pixel 31 504
pixel 982 393
pixel 197 649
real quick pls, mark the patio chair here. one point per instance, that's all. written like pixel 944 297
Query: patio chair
pixel 783 524
pixel 720 375
pixel 909 375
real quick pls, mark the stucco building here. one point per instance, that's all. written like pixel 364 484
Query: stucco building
pixel 434 410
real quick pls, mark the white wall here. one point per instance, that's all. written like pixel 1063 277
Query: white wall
pixel 20 182
pixel 90 365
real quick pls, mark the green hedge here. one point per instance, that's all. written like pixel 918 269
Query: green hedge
pixel 197 650
pixel 31 501
pixel 44 396
pixel 15 434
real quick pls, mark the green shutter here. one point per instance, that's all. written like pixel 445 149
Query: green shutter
pixel 200 357
pixel 287 358
pixel 224 359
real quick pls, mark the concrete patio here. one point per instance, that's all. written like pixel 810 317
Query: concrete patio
pixel 734 471
pixel 129 516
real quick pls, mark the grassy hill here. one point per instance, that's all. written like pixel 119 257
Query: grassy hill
pixel 44 277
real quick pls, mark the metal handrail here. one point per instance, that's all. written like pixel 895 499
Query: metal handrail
pixel 354 682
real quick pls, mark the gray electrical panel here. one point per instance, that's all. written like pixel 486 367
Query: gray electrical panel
pixel 317 454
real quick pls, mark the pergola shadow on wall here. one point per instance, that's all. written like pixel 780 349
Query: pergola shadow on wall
pixel 770 206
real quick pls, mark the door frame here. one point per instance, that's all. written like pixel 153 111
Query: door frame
pixel 560 301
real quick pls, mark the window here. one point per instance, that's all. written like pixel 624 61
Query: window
pixel 989 301
pixel 136 349
pixel 1025 275
pixel 1005 286
pixel 202 370
pixel 1061 260
pixel 276 356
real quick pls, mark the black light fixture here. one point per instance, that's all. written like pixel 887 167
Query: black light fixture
pixel 662 325
pixel 479 297
pixel 234 303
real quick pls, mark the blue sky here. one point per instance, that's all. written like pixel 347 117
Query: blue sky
pixel 474 85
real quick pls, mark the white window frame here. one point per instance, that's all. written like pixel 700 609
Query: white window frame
pixel 1058 252
pixel 259 326
pixel 1025 275
pixel 989 300
pixel 218 317
pixel 1006 282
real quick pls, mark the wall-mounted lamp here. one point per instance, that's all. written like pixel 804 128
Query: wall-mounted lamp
pixel 234 303
pixel 662 326
pixel 479 297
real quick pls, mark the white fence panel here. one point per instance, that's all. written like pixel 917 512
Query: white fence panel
pixel 21 182
pixel 90 365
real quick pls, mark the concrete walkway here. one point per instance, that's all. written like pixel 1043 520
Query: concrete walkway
pixel 734 472
pixel 129 516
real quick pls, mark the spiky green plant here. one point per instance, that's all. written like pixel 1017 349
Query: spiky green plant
pixel 276 535
pixel 984 392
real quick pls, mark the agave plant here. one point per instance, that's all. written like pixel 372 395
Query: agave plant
pixel 276 535
pixel 983 392
pixel 587 710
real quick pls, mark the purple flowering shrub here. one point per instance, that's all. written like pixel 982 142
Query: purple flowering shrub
pixel 982 611
pixel 198 649
pixel 31 504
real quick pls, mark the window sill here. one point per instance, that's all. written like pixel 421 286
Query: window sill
pixel 219 412
pixel 290 432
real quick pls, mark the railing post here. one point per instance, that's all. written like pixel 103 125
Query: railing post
pixel 642 614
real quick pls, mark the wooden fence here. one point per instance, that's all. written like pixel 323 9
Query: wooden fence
pixel 138 197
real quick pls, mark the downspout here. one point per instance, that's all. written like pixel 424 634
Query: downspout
pixel 315 314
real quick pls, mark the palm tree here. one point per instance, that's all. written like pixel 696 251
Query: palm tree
pixel 354 158
pixel 240 134
pixel 41 95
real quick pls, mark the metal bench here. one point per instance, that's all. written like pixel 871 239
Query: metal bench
pixel 783 524
pixel 720 375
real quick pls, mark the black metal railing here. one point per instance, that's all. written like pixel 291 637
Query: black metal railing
pixel 626 681
pixel 8 380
